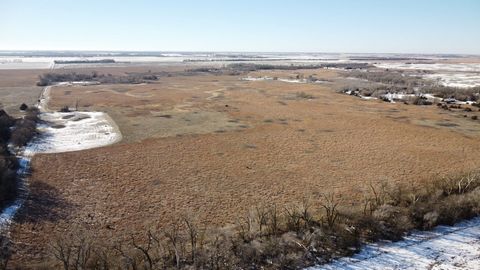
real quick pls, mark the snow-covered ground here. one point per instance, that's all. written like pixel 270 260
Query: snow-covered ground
pixel 461 80
pixel 75 131
pixel 254 79
pixel 72 131
pixel 463 67
pixel 461 75
pixel 446 247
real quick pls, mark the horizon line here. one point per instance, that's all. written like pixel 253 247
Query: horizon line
pixel 229 51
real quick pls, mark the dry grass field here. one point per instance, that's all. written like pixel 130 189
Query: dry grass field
pixel 217 146
pixel 17 87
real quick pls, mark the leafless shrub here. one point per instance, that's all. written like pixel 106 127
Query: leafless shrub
pixel 73 250
pixel 293 218
pixel 305 213
pixel 273 221
pixel 261 216
pixel 244 228
pixel 175 240
pixel 330 205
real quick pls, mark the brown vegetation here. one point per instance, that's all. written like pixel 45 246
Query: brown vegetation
pixel 260 148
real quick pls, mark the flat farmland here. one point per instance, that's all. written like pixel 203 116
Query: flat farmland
pixel 217 146
pixel 17 87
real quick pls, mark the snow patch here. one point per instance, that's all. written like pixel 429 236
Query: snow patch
pixel 78 83
pixel 75 131
pixel 460 80
pixel 463 75
pixel 254 79
pixel 446 247
pixel 464 67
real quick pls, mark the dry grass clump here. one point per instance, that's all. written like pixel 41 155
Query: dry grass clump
pixel 303 95
pixel 420 100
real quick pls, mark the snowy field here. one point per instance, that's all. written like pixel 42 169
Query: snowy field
pixel 454 75
pixel 446 247
pixel 461 80
pixel 461 67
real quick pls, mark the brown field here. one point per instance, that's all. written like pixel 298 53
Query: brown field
pixel 217 146
pixel 17 87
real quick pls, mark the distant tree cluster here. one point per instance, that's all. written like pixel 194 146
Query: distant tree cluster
pixel 100 61
pixel 52 78
pixel 389 77
pixel 462 94
pixel 398 81
pixel 255 67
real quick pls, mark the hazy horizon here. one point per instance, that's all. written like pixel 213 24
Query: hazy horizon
pixel 402 27
pixel 230 52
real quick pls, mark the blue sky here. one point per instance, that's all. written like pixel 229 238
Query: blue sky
pixel 420 26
